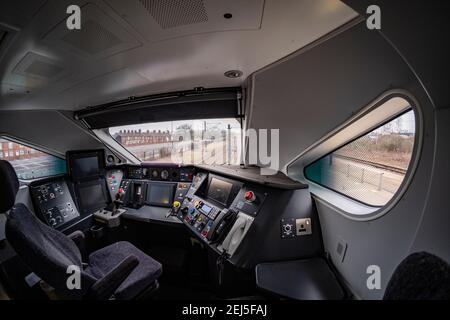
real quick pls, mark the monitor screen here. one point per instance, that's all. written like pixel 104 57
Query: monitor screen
pixel 91 196
pixel 219 191
pixel 160 194
pixel 85 167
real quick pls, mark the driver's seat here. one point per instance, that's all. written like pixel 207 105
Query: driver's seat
pixel 118 271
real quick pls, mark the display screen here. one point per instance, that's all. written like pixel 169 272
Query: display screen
pixel 91 196
pixel 219 190
pixel 206 209
pixel 85 167
pixel 160 194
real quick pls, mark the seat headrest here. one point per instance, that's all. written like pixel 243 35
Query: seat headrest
pixel 9 185
pixel 420 276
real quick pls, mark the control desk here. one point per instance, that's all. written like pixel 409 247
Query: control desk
pixel 236 214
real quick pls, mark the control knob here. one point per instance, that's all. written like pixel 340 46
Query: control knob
pixel 250 196
pixel 176 204
pixel 184 211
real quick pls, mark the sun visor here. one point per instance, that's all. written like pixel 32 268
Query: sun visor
pixel 194 104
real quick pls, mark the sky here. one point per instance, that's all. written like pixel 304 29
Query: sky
pixel 404 123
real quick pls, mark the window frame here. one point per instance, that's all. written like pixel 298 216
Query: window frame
pixel 13 139
pixel 342 204
pixel 392 118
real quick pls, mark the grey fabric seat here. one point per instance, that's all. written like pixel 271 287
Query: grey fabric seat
pixel 102 261
pixel 119 271
pixel 420 276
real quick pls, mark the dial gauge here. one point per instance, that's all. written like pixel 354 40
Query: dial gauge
pixel 164 174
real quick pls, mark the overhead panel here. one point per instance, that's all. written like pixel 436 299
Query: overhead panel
pixel 100 35
pixel 33 70
pixel 38 66
pixel 158 20
pixel 11 92
pixel 17 13
pixel 113 85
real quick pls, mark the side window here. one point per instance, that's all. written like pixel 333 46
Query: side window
pixel 30 163
pixel 371 168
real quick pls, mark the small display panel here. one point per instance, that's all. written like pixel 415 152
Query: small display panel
pixel 206 209
pixel 219 190
pixel 92 196
pixel 85 167
pixel 160 194
pixel 85 164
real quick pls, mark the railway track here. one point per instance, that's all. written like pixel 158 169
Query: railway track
pixel 374 164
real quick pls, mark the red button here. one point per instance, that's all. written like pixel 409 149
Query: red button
pixel 120 190
pixel 250 196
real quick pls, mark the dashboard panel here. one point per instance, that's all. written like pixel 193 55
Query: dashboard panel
pixel 160 173
pixel 53 202
pixel 231 210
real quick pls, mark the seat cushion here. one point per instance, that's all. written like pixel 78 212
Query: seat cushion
pixel 144 275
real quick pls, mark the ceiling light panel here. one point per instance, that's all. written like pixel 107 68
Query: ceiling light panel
pixel 100 35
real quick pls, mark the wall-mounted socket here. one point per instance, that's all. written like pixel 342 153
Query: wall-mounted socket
pixel 303 226
pixel 287 228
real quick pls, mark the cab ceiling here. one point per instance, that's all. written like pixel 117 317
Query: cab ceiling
pixel 141 47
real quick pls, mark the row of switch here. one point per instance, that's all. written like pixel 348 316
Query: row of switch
pixel 200 222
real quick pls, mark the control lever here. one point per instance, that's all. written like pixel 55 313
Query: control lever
pixel 173 211
pixel 118 201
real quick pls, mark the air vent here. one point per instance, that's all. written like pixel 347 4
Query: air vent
pixel 173 13
pixel 92 38
pixel 43 69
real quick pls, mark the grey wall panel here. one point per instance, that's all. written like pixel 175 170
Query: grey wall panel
pixel 387 240
pixel 46 128
pixel 309 94
pixel 433 235
pixel 313 92
pixel 419 30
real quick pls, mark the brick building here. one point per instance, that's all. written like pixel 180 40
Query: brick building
pixel 13 151
pixel 139 137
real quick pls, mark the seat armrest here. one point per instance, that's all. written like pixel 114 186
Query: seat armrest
pixel 105 287
pixel 79 239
